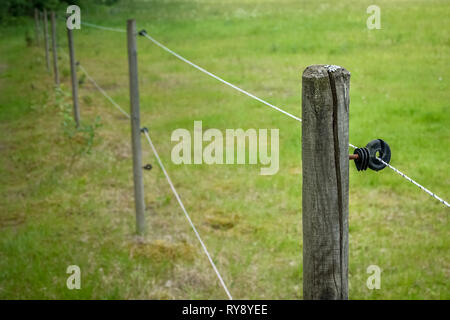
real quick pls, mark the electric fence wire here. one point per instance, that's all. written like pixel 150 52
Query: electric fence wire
pixel 219 78
pixel 203 70
pixel 432 194
pixel 107 96
pixel 187 215
pixel 101 27
pixel 145 34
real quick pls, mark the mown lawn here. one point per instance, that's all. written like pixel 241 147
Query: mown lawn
pixel 62 204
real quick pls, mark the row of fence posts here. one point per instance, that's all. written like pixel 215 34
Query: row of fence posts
pixel 134 98
pixel 41 18
pixel 325 162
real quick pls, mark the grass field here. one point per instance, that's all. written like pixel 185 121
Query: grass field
pixel 63 204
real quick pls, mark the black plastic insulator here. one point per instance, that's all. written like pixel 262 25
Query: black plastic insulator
pixel 378 148
pixel 144 129
pixel 147 167
pixel 142 32
pixel 363 158
pixel 367 157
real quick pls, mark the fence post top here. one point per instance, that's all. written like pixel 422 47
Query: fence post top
pixel 323 70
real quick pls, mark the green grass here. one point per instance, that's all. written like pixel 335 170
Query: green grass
pixel 60 208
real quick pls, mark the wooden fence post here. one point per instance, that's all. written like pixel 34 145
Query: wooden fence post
pixel 73 72
pixel 36 21
pixel 325 161
pixel 55 54
pixel 135 128
pixel 47 55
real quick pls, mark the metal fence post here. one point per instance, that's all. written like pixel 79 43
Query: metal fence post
pixel 55 54
pixel 135 128
pixel 325 160
pixel 47 55
pixel 73 72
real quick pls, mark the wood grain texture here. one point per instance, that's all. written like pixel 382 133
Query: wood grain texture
pixel 325 107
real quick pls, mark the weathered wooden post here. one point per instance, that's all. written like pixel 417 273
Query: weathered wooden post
pixel 73 72
pixel 47 55
pixel 54 48
pixel 36 25
pixel 135 128
pixel 325 160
